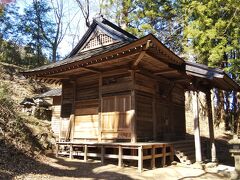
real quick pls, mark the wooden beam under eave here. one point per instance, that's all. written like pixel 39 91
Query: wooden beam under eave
pixel 163 63
pixel 139 58
pixel 184 79
pixel 48 80
pixel 54 77
pixel 147 73
pixel 52 81
pixel 167 71
pixel 141 55
pixel 90 69
pixel 58 82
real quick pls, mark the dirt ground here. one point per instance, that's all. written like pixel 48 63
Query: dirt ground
pixel 64 168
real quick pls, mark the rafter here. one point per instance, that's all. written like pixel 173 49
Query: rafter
pixel 163 63
pixel 90 69
pixel 166 71
pixel 137 61
pixel 141 55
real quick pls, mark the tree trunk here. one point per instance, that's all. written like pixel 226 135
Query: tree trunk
pixel 54 54
pixel 219 116
pixel 227 115
pixel 234 109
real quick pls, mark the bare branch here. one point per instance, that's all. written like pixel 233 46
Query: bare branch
pixel 85 8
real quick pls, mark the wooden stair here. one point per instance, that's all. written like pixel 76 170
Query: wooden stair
pixel 185 151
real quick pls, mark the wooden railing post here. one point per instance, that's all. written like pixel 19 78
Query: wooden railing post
pixel 172 153
pixel 153 164
pixel 120 153
pixel 140 159
pixel 163 155
pixel 57 149
pixel 71 151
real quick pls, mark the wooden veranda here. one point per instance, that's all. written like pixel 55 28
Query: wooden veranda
pixel 121 151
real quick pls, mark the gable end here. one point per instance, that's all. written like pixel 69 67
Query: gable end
pixel 97 39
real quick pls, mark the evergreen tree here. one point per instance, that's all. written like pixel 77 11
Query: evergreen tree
pixel 212 36
pixel 9 49
pixel 141 17
pixel 34 20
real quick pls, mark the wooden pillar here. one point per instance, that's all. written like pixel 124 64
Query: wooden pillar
pixel 60 123
pixel 120 153
pixel 133 109
pixel 85 153
pixel 197 139
pixel 211 126
pixel 57 149
pixel 100 109
pixel 73 109
pixel 60 129
pixel 71 151
pixel 154 118
pixel 102 154
pixel 140 159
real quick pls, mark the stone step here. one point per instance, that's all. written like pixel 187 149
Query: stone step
pixel 186 153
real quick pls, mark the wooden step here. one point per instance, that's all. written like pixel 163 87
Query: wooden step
pixel 185 151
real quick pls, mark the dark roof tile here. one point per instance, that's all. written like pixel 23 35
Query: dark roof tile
pixel 51 93
pixel 81 56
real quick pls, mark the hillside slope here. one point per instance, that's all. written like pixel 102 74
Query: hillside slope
pixel 23 138
pixel 19 86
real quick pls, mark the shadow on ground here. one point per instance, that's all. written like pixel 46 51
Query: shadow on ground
pixel 17 163
pixel 14 163
pixel 222 148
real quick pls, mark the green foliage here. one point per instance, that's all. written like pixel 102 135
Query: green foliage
pixel 37 27
pixel 31 38
pixel 141 17
pixel 212 31
pixel 10 53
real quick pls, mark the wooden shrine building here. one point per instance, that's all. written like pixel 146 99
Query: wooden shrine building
pixel 119 88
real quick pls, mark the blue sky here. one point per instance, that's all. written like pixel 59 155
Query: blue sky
pixel 72 13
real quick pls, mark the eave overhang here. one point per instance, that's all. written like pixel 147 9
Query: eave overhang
pixel 213 78
pixel 216 78
pixel 125 50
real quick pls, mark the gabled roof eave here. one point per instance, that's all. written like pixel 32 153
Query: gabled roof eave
pixel 211 74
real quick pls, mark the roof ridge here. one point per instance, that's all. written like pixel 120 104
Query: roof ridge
pixel 114 26
pixel 110 29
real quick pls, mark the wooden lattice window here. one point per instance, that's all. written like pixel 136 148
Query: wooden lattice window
pixel 98 40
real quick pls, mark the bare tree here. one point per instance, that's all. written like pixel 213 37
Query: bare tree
pixel 61 27
pixel 84 7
